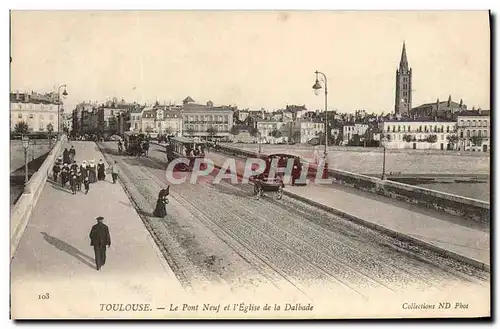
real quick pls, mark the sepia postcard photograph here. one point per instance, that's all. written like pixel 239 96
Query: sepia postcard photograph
pixel 265 164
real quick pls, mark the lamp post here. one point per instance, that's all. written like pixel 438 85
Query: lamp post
pixel 259 142
pixel 383 142
pixel 65 93
pixel 317 87
pixel 26 144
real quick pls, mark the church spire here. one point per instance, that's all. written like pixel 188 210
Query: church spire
pixel 403 64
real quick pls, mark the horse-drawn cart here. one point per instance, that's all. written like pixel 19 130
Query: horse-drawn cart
pixel 267 184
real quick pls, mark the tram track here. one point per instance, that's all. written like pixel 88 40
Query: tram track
pixel 283 249
pixel 426 275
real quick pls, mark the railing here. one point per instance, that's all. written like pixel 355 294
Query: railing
pixel 453 204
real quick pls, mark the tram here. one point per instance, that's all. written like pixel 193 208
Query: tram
pixel 182 147
pixel 133 141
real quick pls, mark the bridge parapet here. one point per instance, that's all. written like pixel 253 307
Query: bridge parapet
pixel 21 211
pixel 469 208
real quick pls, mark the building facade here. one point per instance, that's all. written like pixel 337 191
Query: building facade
pixel 309 129
pixel 403 85
pixel 418 134
pixel 267 130
pixel 206 121
pixel 34 109
pixel 348 131
pixel 473 131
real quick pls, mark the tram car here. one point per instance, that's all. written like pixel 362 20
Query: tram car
pixel 133 142
pixel 188 148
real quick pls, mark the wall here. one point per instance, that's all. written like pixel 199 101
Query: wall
pixel 21 211
pixel 461 206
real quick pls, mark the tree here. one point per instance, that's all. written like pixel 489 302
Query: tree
pixel 254 132
pixel 408 138
pixel 476 140
pixel 276 133
pixel 212 131
pixel 431 139
pixel 21 127
pixel 235 130
pixel 296 136
pixel 452 139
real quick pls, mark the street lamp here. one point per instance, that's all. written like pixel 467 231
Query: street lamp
pixel 65 93
pixel 26 144
pixel 383 142
pixel 317 90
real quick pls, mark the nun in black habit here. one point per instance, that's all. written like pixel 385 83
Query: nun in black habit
pixel 161 210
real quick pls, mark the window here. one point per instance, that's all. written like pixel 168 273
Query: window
pixel 448 129
pixel 405 94
pixel 461 134
pixel 19 116
pixel 31 115
pixel 399 128
pixel 479 133
pixel 393 128
pixel 409 128
pixel 468 133
pixel 461 122
pixel 485 133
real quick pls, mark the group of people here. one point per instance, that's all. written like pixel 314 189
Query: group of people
pixel 69 172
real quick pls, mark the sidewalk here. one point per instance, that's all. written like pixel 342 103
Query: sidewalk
pixel 451 233
pixel 54 255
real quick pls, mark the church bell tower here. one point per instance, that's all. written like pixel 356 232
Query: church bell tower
pixel 403 85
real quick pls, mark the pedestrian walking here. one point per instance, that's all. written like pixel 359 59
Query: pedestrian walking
pixel 64 175
pixel 55 171
pixel 101 170
pixel 74 166
pixel 86 184
pixel 72 153
pixel 72 182
pixel 78 180
pixel 92 172
pixel 161 203
pixel 99 239
pixel 115 171
pixel 66 156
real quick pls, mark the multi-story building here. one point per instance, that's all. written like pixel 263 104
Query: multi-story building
pixel 473 131
pixel 206 121
pixel 350 130
pixel 36 110
pixel 267 130
pixel 430 133
pixel 309 129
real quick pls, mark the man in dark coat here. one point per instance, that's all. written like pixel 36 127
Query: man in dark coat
pixel 66 156
pixel 99 239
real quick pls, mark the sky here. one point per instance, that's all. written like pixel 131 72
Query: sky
pixel 253 59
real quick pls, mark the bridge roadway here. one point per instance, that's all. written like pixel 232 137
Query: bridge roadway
pixel 220 233
pixel 217 238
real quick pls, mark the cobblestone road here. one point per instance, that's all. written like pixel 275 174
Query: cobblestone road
pixel 219 234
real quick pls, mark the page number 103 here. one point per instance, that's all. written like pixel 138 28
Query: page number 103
pixel 44 296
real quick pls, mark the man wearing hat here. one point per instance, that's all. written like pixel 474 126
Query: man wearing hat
pixel 99 239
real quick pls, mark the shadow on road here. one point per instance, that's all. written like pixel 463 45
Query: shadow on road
pixel 63 246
